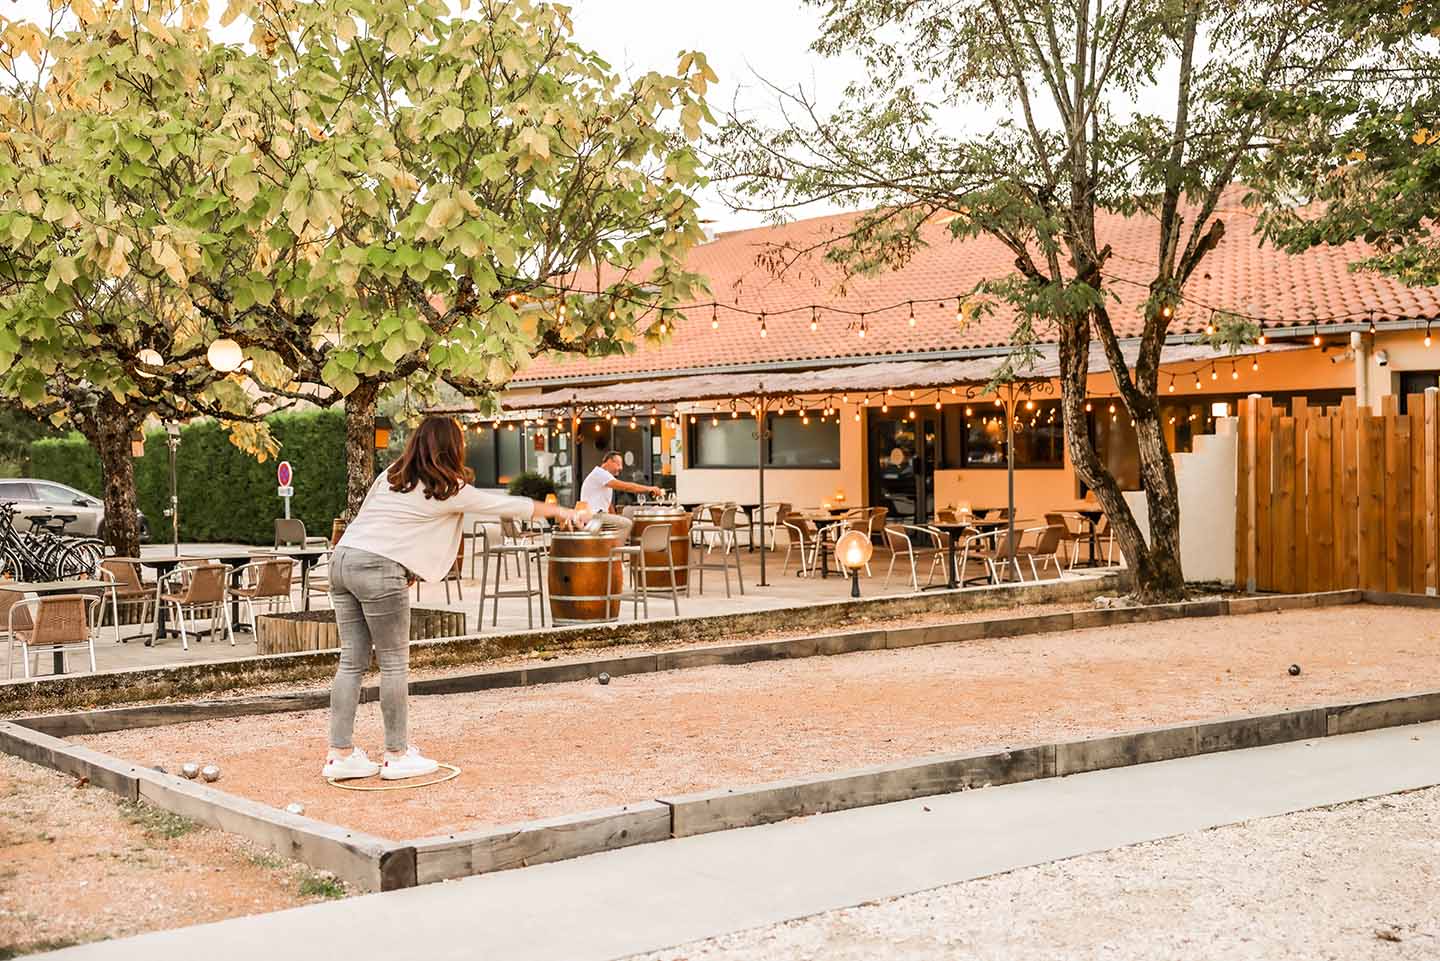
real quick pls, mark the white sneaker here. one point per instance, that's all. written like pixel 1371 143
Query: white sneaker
pixel 357 764
pixel 410 764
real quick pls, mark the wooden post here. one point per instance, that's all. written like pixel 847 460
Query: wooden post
pixel 1432 490
pixel 1370 468
pixel 1264 495
pixel 1245 497
pixel 1300 410
pixel 1397 503
pixel 1317 497
pixel 1284 542
pixel 1350 514
pixel 1415 411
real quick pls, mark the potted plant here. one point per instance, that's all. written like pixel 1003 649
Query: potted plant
pixel 532 485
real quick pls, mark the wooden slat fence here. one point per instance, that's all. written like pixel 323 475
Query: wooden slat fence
pixel 1340 498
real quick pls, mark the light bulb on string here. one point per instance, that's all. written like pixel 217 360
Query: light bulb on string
pixel 862 326
pixel 612 311
pixel 1214 374
pixel 814 320
pixel 1255 363
pixel 1210 325
pixel 763 331
pixel 1234 372
pixel 1261 340
pixel 1427 333
pixel 1172 383
pixel 912 313
pixel 714 317
pixel 1197 380
pixel 1316 339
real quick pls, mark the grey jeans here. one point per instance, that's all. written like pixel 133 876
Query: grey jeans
pixel 372 612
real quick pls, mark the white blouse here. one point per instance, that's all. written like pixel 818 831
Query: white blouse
pixel 423 534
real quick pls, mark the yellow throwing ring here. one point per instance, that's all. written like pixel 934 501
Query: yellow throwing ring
pixel 450 772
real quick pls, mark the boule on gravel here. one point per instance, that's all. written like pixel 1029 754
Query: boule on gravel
pixel 210 773
pixel 191 769
pixel 603 678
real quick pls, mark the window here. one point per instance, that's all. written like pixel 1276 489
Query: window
pixel 495 456
pixel 731 442
pixel 15 491
pixel 50 494
pixel 973 435
pixel 1415 382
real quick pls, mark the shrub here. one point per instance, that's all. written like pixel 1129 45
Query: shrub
pixel 532 485
pixel 225 494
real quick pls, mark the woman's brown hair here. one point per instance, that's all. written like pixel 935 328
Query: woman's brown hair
pixel 434 458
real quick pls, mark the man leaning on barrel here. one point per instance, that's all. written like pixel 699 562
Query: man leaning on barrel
pixel 599 489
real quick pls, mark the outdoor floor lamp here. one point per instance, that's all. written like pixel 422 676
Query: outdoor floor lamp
pixel 853 551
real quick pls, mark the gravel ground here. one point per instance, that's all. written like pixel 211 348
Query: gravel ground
pixel 78 865
pixel 564 748
pixel 1352 882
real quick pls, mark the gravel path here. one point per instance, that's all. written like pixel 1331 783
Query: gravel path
pixel 564 748
pixel 1348 883
pixel 77 865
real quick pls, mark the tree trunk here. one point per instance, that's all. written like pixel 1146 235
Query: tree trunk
pixel 359 445
pixel 109 432
pixel 1156 567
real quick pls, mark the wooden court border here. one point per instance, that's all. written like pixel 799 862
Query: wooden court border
pixel 372 863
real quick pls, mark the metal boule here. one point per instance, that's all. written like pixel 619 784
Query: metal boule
pixel 210 773
pixel 191 769
pixel 603 678
pixel 1294 670
pixel 295 807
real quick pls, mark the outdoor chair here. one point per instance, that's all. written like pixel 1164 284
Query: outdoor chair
pixel 705 524
pixel 198 590
pixel 1105 535
pixel 773 517
pixel 985 548
pixel 527 553
pixel 802 534
pixel 1044 546
pixel 513 535
pixel 268 581
pixel 457 570
pixel 1068 535
pixel 901 538
pixel 726 540
pixel 124 587
pixel 54 624
pixel 947 515
pixel 290 532
pixel 654 539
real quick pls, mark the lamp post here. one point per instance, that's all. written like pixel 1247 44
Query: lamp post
pixel 853 551
pixel 172 441
pixel 762 435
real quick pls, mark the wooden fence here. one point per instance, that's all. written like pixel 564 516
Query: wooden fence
pixel 1338 498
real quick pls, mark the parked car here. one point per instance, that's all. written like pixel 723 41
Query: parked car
pixel 36 497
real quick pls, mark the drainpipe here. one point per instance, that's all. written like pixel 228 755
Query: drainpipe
pixel 1360 348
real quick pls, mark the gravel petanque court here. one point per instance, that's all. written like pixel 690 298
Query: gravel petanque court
pixel 564 748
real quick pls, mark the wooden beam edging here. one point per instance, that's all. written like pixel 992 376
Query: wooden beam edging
pixel 374 863
pixel 844 642
pixel 211 677
pixel 362 860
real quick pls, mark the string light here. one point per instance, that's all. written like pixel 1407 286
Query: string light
pixel 1234 372
pixel 912 313
pixel 1210 325
pixel 1261 340
pixel 1214 374
pixel 763 331
pixel 1372 325
pixel 612 311
pixel 1316 339
pixel 714 317
pixel 1427 333
pixel 1167 310
pixel 1255 363
pixel 1172 383
pixel 814 319
pixel 862 326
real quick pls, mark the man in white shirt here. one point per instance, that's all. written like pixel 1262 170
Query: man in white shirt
pixel 598 491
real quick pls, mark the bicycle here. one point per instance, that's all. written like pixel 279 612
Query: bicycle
pixel 42 554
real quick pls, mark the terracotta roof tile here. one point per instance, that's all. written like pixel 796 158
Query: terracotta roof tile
pixel 1240 275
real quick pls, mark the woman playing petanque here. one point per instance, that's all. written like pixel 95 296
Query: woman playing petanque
pixel 408 528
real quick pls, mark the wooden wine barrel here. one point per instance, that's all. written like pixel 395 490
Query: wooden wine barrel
pixel 679 524
pixel 580 567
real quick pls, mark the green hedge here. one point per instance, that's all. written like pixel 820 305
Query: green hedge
pixel 225 494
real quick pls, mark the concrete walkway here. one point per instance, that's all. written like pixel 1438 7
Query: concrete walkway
pixel 645 898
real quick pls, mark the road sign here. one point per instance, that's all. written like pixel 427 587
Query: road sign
pixel 284 475
pixel 286 491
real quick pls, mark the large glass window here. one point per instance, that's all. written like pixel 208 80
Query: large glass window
pixel 1416 382
pixel 793 442
pixel 495 456
pixel 974 435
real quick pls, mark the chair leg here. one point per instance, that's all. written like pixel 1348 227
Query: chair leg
pixel 739 577
pixel 914 574
pixel 460 586
pixel 180 619
pixel 115 614
pixel 674 588
pixel 529 607
pixel 229 625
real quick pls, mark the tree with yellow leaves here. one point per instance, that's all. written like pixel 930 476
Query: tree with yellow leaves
pixel 366 195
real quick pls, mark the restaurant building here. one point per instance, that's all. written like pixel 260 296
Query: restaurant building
pixel 873 390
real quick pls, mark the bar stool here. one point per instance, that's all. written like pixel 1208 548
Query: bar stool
pixel 524 554
pixel 729 553
pixel 654 539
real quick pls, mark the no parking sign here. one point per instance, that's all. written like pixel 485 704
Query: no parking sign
pixel 284 475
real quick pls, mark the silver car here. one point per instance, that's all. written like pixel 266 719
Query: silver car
pixel 37 498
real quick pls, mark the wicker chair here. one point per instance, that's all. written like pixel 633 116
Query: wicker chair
pixel 124 587
pixel 269 581
pixel 55 624
pixel 198 588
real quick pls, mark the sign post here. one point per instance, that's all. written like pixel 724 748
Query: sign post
pixel 284 475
